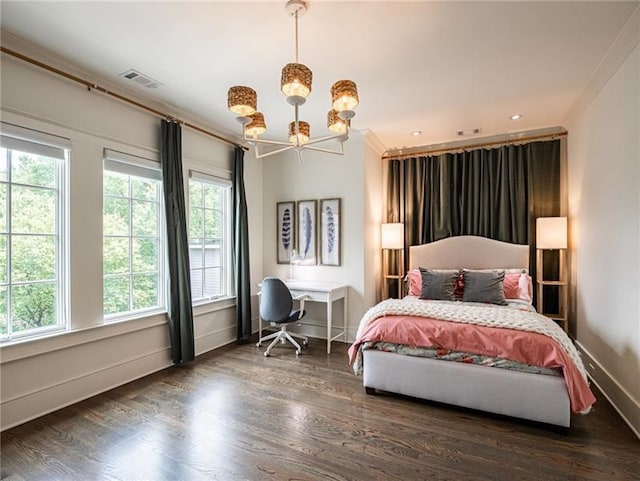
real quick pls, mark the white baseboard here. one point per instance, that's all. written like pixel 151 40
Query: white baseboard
pixel 57 396
pixel 616 394
pixel 45 399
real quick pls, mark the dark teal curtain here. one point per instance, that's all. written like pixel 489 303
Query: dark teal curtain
pixel 241 249
pixel 180 312
pixel 495 193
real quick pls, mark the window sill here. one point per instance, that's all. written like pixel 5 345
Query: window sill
pixel 26 347
pixel 34 346
pixel 201 308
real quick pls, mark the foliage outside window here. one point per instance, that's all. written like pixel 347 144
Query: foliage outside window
pixel 209 246
pixel 31 238
pixel 133 239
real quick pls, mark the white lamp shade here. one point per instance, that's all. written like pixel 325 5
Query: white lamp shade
pixel 392 236
pixel 551 233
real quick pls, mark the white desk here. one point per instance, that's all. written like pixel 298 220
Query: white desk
pixel 325 292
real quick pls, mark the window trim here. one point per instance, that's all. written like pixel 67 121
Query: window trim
pixel 141 167
pixel 226 258
pixel 16 138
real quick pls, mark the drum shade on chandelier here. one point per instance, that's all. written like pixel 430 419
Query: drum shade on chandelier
pixel 296 85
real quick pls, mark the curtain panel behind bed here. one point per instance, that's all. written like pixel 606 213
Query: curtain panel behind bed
pixel 496 193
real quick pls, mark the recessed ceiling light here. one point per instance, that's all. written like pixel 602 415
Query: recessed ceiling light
pixel 415 133
pixel 516 117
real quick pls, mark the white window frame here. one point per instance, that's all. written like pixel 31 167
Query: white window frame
pixel 132 165
pixel 226 248
pixel 16 138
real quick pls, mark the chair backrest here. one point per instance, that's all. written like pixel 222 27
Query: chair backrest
pixel 276 302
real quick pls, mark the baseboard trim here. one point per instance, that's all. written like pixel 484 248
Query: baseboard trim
pixel 228 336
pixel 123 373
pixel 47 399
pixel 616 394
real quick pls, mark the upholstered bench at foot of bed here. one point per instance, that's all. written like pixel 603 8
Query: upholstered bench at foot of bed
pixel 534 397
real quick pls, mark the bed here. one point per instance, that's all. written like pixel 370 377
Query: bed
pixel 532 395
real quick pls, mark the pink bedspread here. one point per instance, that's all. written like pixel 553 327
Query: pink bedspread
pixel 528 347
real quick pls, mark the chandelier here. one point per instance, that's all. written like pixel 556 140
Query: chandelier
pixel 295 84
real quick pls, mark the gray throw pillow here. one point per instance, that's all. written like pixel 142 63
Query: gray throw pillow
pixel 438 285
pixel 484 287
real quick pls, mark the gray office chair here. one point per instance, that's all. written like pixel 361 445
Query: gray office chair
pixel 276 307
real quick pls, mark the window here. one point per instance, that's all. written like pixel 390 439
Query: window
pixel 209 234
pixel 133 236
pixel 32 241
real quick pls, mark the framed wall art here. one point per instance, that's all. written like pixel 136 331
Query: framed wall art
pixel 330 232
pixel 286 231
pixel 307 231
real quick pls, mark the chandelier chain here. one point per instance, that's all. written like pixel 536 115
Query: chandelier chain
pixel 297 36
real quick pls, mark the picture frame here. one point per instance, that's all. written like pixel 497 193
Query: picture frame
pixel 307 232
pixel 330 232
pixel 285 231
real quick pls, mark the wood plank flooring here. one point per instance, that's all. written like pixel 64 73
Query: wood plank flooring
pixel 236 415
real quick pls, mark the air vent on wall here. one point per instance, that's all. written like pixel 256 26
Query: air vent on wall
pixel 141 79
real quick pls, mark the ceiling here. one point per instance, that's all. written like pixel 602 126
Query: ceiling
pixel 437 67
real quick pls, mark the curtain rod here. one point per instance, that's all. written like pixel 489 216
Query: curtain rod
pixel 531 138
pixel 91 86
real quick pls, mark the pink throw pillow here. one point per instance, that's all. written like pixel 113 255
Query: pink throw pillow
pixel 525 288
pixel 518 286
pixel 415 282
pixel 510 285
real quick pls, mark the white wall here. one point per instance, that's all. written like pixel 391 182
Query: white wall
pixel 42 375
pixel 356 179
pixel 604 208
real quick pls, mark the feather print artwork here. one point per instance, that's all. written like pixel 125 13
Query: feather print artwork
pixel 285 234
pixel 331 230
pixel 306 229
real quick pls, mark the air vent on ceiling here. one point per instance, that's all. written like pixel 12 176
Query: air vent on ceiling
pixel 462 133
pixel 141 79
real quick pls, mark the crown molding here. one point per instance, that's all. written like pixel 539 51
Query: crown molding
pixel 625 43
pixel 373 141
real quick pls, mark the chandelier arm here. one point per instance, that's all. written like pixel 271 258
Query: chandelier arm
pixel 266 141
pixel 328 137
pixel 326 151
pixel 260 155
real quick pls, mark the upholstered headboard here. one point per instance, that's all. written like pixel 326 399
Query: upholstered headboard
pixel 469 251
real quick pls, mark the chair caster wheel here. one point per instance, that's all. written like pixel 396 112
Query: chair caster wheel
pixel 258 344
pixel 266 354
pixel 305 343
pixel 298 352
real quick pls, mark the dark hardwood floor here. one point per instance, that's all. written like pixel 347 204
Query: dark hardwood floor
pixel 236 415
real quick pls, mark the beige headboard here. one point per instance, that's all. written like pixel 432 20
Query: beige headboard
pixel 469 251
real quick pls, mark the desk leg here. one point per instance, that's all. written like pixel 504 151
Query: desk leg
pixel 329 322
pixel 344 318
pixel 259 320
